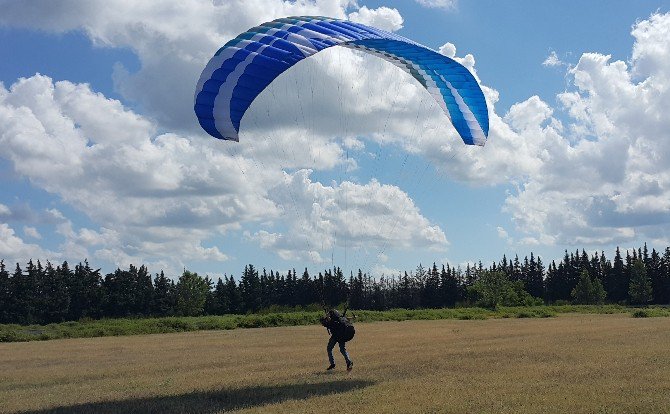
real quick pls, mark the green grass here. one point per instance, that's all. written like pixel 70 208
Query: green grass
pixel 139 326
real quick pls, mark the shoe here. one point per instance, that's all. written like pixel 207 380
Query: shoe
pixel 350 366
pixel 332 366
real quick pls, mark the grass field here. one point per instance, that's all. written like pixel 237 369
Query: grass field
pixel 567 364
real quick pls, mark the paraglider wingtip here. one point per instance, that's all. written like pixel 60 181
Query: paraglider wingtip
pixel 235 138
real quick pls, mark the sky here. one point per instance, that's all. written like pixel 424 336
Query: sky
pixel 343 160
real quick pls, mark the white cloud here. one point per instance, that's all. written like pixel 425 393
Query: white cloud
pixel 442 4
pixel 502 233
pixel 14 250
pixel 371 217
pixel 553 60
pixel 172 39
pixel 31 232
pixel 607 179
pixel 448 49
pixel 158 191
pixel 147 181
pixel 603 177
pixel 383 17
pixel 164 192
pixel 651 53
pixel 599 178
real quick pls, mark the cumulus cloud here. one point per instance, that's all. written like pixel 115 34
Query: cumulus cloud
pixel 448 49
pixel 156 193
pixel 13 249
pixel 383 17
pixel 154 184
pixel 602 176
pixel 369 216
pixel 605 179
pixel 74 142
pixel 172 39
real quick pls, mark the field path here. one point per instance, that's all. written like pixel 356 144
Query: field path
pixel 567 364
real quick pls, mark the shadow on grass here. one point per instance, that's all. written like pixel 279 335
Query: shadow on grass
pixel 213 401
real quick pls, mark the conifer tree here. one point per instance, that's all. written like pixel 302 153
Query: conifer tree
pixel 356 291
pixel 234 296
pixel 55 293
pixel 430 297
pixel 615 282
pixel 449 287
pixel 144 291
pixel 5 295
pixel 26 293
pixel 640 290
pixel 164 299
pixel 654 268
pixel 664 279
pixel 250 289
pixel 306 294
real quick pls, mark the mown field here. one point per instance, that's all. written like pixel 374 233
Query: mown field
pixel 589 363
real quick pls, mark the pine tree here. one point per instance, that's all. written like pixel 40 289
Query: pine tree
pixel 356 291
pixel 306 294
pixel 5 295
pixel 250 288
pixel 164 299
pixel 26 294
pixel 515 273
pixel 654 269
pixel 234 295
pixel 55 293
pixel 378 299
pixel 449 287
pixel 616 283
pixel 406 293
pixel 430 297
pixel 209 297
pixel 640 289
pixel 533 276
pixel 144 291
pixel 86 292
pixel 562 278
pixel 663 283
pixel 605 272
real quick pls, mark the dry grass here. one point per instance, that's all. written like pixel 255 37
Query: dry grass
pixel 569 364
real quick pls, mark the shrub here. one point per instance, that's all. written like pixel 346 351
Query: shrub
pixel 640 313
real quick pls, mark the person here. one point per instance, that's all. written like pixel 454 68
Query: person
pixel 341 330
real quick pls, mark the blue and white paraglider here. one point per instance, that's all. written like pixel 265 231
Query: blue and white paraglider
pixel 247 64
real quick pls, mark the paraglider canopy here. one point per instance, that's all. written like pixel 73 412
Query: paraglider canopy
pixel 247 64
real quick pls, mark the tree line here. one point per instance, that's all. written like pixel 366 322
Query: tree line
pixel 46 293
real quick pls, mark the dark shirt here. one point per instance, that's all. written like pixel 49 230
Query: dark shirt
pixel 336 327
